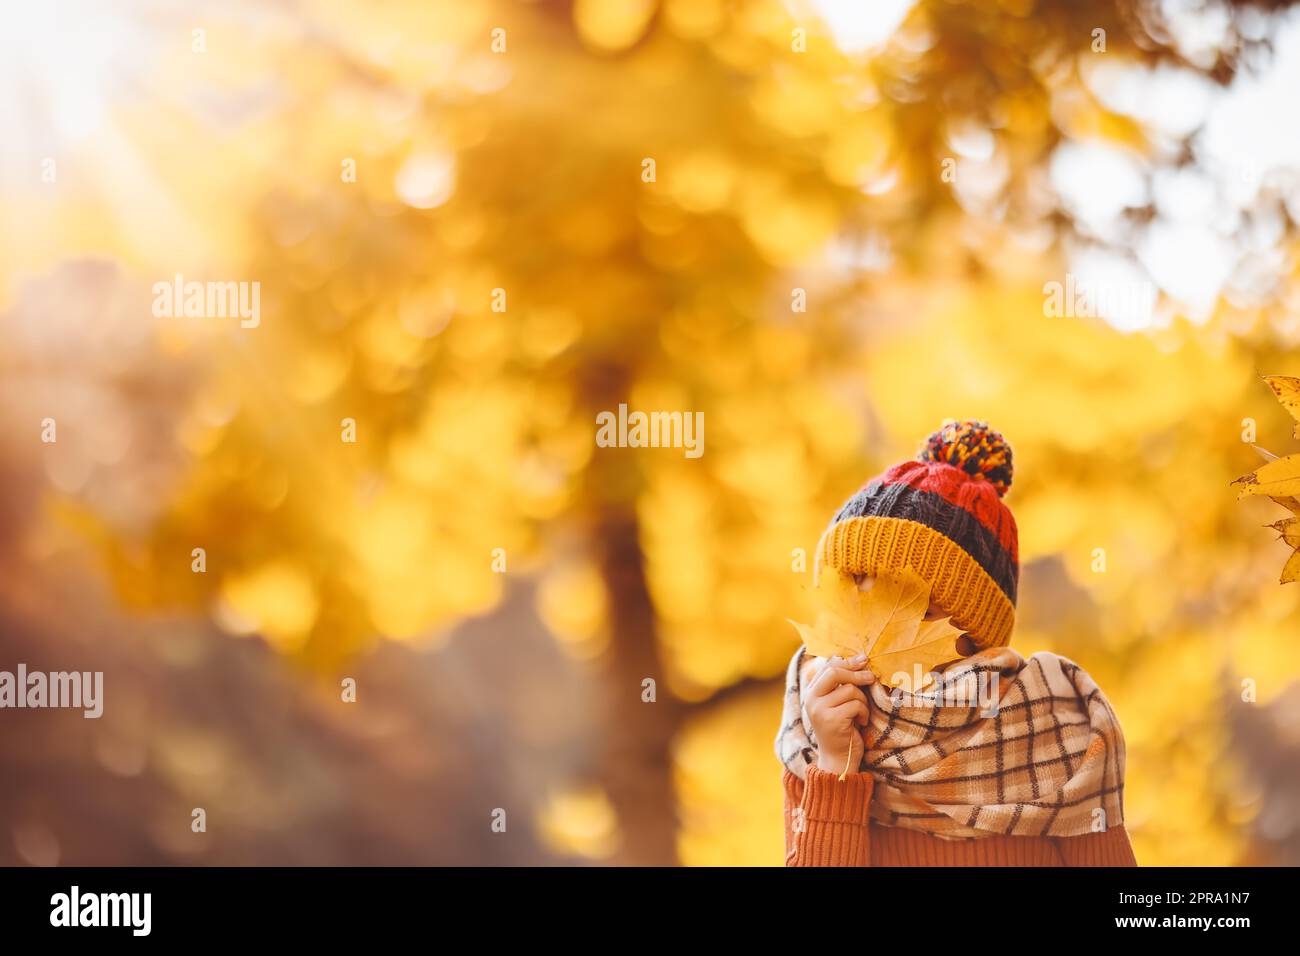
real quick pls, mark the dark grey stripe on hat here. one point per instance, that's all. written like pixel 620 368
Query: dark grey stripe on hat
pixel 899 500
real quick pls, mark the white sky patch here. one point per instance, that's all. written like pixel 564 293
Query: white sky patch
pixel 1191 262
pixel 1186 194
pixel 1198 28
pixel 1255 126
pixel 1169 100
pixel 862 25
pixel 56 64
pixel 1122 292
pixel 1201 245
pixel 1096 183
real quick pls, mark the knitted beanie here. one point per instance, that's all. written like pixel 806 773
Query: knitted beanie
pixel 943 516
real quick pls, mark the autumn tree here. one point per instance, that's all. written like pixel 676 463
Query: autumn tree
pixel 471 248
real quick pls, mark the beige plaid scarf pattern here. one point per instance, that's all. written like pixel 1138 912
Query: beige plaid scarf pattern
pixel 999 745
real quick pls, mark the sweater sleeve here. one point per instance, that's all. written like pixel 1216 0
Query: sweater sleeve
pixel 827 821
pixel 1110 848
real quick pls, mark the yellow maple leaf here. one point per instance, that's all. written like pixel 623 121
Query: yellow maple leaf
pixel 1279 478
pixel 884 620
pixel 1289 529
pixel 1287 390
pixel 1291 570
pixel 931 644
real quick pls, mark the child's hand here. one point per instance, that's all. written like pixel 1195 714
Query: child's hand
pixel 836 707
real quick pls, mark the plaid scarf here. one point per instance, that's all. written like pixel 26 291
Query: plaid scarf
pixel 998 745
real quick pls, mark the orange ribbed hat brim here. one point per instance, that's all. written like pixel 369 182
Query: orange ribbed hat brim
pixel 869 545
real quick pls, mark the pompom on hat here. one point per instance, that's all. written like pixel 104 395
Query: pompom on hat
pixel 941 515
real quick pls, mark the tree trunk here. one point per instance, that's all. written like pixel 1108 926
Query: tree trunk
pixel 636 765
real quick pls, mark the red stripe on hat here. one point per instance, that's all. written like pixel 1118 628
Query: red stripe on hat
pixel 971 493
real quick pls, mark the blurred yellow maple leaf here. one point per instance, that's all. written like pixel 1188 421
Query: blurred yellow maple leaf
pixel 885 621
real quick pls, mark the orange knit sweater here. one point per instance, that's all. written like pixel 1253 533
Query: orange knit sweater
pixel 835 830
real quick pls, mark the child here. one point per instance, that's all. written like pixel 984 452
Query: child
pixel 1004 761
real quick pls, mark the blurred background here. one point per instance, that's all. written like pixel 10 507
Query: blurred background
pixel 855 220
